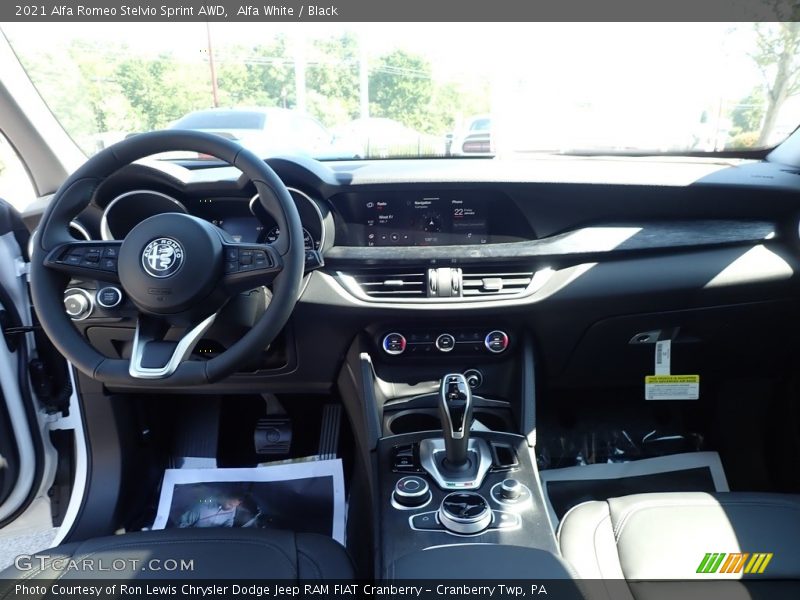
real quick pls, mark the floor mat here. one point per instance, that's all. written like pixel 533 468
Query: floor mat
pixel 690 472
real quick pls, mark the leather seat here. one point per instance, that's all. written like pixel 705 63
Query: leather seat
pixel 651 537
pixel 212 553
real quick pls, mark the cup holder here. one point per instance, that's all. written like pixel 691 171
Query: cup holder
pixel 411 421
pixel 427 419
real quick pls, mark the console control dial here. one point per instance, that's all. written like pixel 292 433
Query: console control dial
pixel 394 344
pixel 411 491
pixel 510 489
pixel 465 513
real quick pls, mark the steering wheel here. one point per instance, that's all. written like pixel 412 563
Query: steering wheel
pixel 177 269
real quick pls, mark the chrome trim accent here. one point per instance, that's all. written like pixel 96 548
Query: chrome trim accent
pixel 81 229
pixel 429 448
pixel 113 287
pixel 105 231
pixel 313 204
pixel 398 506
pixel 421 492
pixel 182 350
pixel 462 525
pixel 85 294
pixel 450 349
pixel 394 352
pixel 350 285
pixel 489 348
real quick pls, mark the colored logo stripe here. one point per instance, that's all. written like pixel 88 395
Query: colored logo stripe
pixel 734 563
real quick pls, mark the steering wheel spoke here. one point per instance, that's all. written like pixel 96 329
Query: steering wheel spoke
pixel 89 260
pixel 154 357
pixel 250 265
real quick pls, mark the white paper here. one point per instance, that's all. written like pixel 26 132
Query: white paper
pixel 256 497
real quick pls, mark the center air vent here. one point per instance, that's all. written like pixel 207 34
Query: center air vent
pixel 391 283
pixel 468 283
pixel 499 282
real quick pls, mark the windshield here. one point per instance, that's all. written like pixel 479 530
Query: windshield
pixel 372 90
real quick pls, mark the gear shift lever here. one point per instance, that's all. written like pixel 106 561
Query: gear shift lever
pixel 455 411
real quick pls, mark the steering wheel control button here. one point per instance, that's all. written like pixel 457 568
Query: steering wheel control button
pixel 231 254
pixel 162 257
pixel 411 491
pixel 77 304
pixel 108 264
pixel 466 513
pixel 111 252
pixel 109 297
pixel 445 343
pixel 496 341
pixel 394 344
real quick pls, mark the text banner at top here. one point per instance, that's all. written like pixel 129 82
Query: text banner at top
pixel 400 10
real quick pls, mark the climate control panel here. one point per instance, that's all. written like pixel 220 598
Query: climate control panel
pixel 454 340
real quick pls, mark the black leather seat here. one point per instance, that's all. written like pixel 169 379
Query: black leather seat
pixel 652 537
pixel 205 554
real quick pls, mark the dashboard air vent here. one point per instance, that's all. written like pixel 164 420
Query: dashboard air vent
pixel 491 282
pixel 391 283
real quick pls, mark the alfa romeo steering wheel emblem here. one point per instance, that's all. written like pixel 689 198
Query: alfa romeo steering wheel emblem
pixel 162 257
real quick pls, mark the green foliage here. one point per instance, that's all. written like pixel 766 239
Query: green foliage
pixel 103 89
pixel 161 90
pixel 748 113
pixel 748 139
pixel 401 89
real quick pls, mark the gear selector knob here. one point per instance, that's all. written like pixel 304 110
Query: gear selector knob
pixel 455 411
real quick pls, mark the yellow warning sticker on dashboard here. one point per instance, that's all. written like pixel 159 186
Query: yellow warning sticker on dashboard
pixel 672 387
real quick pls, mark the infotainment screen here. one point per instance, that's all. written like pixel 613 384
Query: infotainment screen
pixel 425 221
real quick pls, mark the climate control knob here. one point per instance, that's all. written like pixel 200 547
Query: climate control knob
pixel 496 341
pixel 394 344
pixel 445 342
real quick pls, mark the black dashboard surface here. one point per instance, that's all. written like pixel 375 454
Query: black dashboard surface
pixel 619 237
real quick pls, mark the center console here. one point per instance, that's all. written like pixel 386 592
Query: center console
pixel 455 485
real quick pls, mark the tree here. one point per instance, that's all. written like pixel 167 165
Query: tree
pixel 777 55
pixel 748 114
pixel 262 75
pixel 162 90
pixel 332 79
pixel 401 88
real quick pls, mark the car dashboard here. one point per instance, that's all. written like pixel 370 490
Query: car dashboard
pixel 562 252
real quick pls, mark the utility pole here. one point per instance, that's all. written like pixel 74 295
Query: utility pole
pixel 300 71
pixel 214 90
pixel 363 78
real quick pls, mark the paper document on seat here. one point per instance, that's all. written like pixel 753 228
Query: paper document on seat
pixel 301 497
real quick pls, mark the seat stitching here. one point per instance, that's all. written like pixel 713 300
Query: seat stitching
pixel 309 559
pixel 629 512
